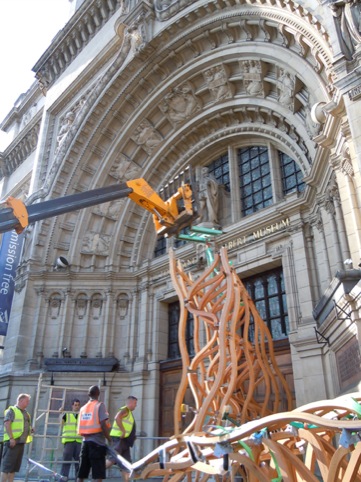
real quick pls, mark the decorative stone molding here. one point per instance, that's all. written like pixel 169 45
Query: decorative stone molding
pixel 75 36
pixel 19 151
pixel 166 9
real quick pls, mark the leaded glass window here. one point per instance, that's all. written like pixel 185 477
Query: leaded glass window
pixel 220 170
pixel 268 293
pixel 291 175
pixel 173 323
pixel 254 179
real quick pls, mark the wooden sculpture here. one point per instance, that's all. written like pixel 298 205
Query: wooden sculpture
pixel 227 368
pixel 317 442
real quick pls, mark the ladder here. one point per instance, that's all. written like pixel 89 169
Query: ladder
pixel 46 448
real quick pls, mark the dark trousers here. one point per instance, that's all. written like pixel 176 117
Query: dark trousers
pixel 71 452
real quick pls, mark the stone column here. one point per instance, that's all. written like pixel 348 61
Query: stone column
pixel 38 327
pixel 65 323
pixel 302 281
pixel 347 169
pixel 234 184
pixel 336 245
pixel 322 260
pixel 312 268
pixel 108 323
pixel 290 277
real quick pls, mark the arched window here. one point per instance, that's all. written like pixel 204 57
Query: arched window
pixel 253 178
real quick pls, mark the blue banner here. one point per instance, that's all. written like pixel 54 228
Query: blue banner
pixel 10 252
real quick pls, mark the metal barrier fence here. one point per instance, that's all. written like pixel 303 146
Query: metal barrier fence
pixel 29 471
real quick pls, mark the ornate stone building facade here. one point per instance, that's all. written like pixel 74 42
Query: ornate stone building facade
pixel 262 95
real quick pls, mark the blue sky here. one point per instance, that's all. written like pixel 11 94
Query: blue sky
pixel 27 28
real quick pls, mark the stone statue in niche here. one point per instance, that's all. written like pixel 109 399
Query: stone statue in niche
pixel 217 82
pixel 147 137
pixel 347 18
pixel 97 305
pixel 122 305
pixel 208 198
pixel 180 104
pixel 287 88
pixel 96 243
pixel 55 304
pixel 252 77
pixel 81 305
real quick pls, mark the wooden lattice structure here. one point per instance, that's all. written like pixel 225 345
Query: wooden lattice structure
pixel 318 441
pixel 227 369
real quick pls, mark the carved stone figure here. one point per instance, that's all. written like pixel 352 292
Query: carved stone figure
pixel 96 305
pixel 81 306
pixel 55 304
pixel 252 77
pixel 165 9
pixel 208 197
pixel 217 82
pixel 347 17
pixel 138 34
pixel 287 88
pixel 180 104
pixel 95 243
pixel 65 128
pixel 147 137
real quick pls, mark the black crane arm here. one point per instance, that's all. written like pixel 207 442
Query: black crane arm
pixel 168 216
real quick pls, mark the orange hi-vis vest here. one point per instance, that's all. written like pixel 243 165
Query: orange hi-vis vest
pixel 88 419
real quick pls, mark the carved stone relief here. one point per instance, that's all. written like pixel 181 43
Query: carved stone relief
pixel 165 9
pixel 109 209
pixel 252 77
pixel 81 305
pixel 96 306
pixel 180 104
pixel 96 243
pixel 217 82
pixel 122 305
pixel 347 18
pixel 138 33
pixel 66 123
pixel 286 86
pixel 124 168
pixel 54 305
pixel 147 136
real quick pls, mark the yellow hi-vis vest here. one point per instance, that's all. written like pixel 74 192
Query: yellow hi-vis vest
pixel 17 426
pixel 128 422
pixel 70 429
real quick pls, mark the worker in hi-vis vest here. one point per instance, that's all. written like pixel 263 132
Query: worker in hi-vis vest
pixel 94 427
pixel 123 433
pixel 70 439
pixel 17 433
